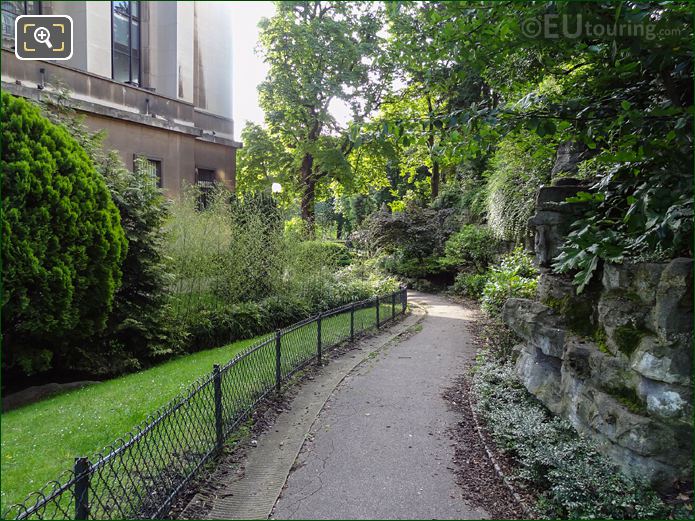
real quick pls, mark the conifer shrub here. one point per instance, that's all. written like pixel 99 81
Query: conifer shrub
pixel 63 244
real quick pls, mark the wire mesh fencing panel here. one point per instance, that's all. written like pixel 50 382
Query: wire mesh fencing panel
pixel 140 475
pixel 54 501
pixel 245 381
pixel 298 346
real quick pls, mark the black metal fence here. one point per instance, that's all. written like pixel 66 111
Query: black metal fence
pixel 140 475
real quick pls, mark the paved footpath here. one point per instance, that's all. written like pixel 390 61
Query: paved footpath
pixel 251 491
pixel 380 448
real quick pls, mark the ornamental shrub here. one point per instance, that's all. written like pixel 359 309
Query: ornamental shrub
pixel 470 284
pixel 515 277
pixel 139 329
pixel 473 246
pixel 62 245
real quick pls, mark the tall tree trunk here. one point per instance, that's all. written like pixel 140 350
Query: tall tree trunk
pixel 341 220
pixel 434 178
pixel 308 192
pixel 434 181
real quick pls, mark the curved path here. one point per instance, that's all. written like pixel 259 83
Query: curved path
pixel 381 447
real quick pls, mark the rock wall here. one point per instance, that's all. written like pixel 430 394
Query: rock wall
pixel 616 360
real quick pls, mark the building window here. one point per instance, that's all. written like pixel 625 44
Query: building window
pixel 152 168
pixel 10 12
pixel 206 181
pixel 125 32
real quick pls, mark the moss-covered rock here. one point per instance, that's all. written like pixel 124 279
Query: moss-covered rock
pixel 627 337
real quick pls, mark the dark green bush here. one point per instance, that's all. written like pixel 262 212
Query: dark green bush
pixel 415 232
pixel 63 244
pixel 283 310
pixel 470 284
pixel 224 324
pixel 335 252
pixel 140 329
pixel 399 264
pixel 473 246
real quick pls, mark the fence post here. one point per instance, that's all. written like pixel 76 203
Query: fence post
pixel 393 304
pixel 217 381
pixel 81 488
pixel 377 311
pixel 318 337
pixel 278 372
pixel 352 322
pixel 404 298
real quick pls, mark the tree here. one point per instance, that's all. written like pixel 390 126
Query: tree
pixel 626 96
pixel 63 244
pixel 138 328
pixel 263 161
pixel 319 52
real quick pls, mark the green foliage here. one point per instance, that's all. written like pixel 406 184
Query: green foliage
pixel 473 200
pixel 138 329
pixel 470 284
pixel 627 97
pixel 63 244
pixel 572 479
pixel 576 312
pixel 473 246
pixel 521 164
pixel 263 161
pixel 516 276
pixel 630 399
pixel 231 252
pixel 412 268
pixel 627 338
pixel 318 52
pixel 211 327
pixel 335 253
pixel 238 271
pixel 415 232
pixel 499 340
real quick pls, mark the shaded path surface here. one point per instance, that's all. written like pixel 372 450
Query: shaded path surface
pixel 381 447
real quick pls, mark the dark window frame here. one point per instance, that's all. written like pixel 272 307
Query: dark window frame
pixel 130 18
pixel 25 10
pixel 204 186
pixel 158 160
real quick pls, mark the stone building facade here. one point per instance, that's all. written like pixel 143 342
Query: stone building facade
pixel 155 76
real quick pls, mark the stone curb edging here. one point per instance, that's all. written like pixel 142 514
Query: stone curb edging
pixel 254 495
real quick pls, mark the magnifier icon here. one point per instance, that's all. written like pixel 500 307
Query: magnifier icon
pixel 42 35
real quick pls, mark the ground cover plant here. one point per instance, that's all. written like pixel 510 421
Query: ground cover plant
pixel 457 118
pixel 563 469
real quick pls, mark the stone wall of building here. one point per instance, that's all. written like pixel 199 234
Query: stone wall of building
pixel 615 360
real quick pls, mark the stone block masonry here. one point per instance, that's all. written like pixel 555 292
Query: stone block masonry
pixel 617 360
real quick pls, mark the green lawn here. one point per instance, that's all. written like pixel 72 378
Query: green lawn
pixel 41 440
